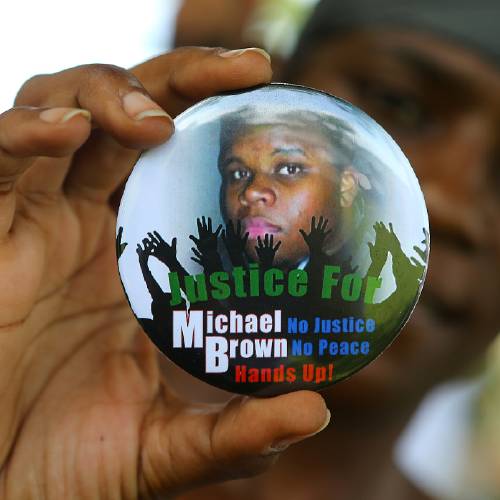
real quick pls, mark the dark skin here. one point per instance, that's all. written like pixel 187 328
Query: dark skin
pixel 441 103
pixel 275 179
pixel 85 410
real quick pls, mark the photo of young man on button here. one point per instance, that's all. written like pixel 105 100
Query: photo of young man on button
pixel 89 407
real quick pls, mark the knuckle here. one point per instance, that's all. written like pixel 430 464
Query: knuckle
pixel 88 79
pixel 95 75
pixel 30 89
pixel 98 70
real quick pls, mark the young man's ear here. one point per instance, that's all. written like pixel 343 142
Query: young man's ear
pixel 348 187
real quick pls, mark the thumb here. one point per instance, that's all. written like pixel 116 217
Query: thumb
pixel 204 444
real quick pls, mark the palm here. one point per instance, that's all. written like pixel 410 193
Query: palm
pixel 61 260
pixel 85 413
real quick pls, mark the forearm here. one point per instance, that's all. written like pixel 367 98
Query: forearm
pixel 154 288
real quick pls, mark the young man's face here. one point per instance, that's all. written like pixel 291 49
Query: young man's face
pixel 275 179
pixel 441 103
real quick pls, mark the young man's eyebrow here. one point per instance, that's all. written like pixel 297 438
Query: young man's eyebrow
pixel 431 70
pixel 288 150
pixel 230 159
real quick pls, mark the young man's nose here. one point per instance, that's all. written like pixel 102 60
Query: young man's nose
pixel 259 190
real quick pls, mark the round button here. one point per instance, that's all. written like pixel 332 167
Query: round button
pixel 279 241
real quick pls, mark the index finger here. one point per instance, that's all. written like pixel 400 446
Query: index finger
pixel 180 78
pixel 115 98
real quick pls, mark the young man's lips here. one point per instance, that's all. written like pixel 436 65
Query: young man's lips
pixel 259 226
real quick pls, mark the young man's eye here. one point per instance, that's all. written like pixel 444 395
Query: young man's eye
pixel 239 174
pixel 398 110
pixel 290 169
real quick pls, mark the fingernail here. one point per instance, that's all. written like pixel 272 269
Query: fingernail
pixel 63 115
pixel 236 53
pixel 283 444
pixel 139 106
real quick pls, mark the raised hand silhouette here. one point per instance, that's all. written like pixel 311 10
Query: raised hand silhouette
pixel 159 248
pixel 144 253
pixel 166 253
pixel 415 267
pixel 392 240
pixel 207 238
pixel 148 248
pixel 205 252
pixel 120 247
pixel 210 262
pixel 423 254
pixel 160 303
pixel 316 237
pixel 407 272
pixel 348 267
pixel 380 248
pixel 235 242
pixel 266 250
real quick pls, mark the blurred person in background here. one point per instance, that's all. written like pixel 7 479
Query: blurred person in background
pixel 272 24
pixel 428 72
pixel 213 23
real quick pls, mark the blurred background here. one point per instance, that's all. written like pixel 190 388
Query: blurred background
pixel 450 446
pixel 58 39
pixel 45 37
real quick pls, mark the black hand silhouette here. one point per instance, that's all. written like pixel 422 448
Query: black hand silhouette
pixel 145 252
pixel 235 242
pixel 206 243
pixel 347 267
pixel 317 235
pixel 210 262
pixel 205 252
pixel 143 257
pixel 165 253
pixel 198 257
pixel 161 300
pixel 266 251
pixel 120 247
